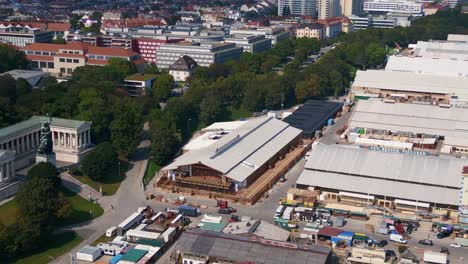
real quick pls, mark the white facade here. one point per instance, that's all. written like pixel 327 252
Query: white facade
pixel 204 54
pixel 180 75
pixel 394 6
pixel 21 36
pixel 250 43
pixel 297 7
pixel 7 166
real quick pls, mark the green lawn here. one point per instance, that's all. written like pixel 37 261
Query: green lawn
pixel 111 183
pixel 8 212
pixel 233 114
pixel 151 170
pixel 101 239
pixel 56 246
pixel 81 209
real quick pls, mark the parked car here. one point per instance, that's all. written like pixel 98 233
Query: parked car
pixel 455 245
pixel 398 238
pixel 444 250
pixel 382 243
pixel 409 228
pixel 225 211
pixel 390 253
pixel 426 242
pixel 443 234
pixel 318 221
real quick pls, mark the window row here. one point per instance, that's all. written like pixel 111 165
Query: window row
pixel 69 60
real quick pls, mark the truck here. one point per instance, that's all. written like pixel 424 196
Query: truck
pixel 188 211
pixel 435 257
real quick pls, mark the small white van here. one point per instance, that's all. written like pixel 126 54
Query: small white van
pixel 398 239
pixel 112 231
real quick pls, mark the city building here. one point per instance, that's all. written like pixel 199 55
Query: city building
pixel 235 160
pixel 32 77
pixel 61 59
pixel 333 26
pixel 365 21
pixel 203 246
pixel 250 43
pixel 204 54
pixel 328 8
pixel 7 174
pixel 409 126
pixel 147 47
pixel 394 6
pixel 139 84
pixel 297 7
pixel 409 86
pixel 396 180
pixel 314 30
pixel 351 7
pixel 258 228
pixel 428 65
pixel 275 34
pixel 183 68
pixel 21 35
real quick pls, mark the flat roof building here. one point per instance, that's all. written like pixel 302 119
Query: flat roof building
pixel 397 179
pixel 449 124
pixel 275 34
pixel 21 35
pixel 250 43
pixel 139 84
pixel 201 244
pixel 204 54
pixel 237 159
pixel 394 6
pixel 442 49
pixel 426 65
pixel 410 86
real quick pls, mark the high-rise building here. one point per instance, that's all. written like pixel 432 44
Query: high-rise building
pixel 328 8
pixel 394 6
pixel 351 7
pixel 297 7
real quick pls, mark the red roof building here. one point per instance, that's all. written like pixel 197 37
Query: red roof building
pixel 148 47
pixel 62 60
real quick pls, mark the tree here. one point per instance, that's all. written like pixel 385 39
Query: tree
pixel 97 163
pixel 8 87
pixel 59 40
pixel 22 87
pixel 375 54
pixel 152 69
pixel 122 67
pixel 11 58
pixel 38 198
pixel 211 108
pixel 162 87
pixel 164 143
pixel 126 127
pixel 7 112
pixel 308 88
pixel 45 170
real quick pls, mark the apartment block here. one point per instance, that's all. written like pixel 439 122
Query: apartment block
pixel 250 43
pixel 297 7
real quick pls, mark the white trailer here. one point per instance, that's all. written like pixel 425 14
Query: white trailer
pixel 287 215
pixel 132 220
pixel 88 253
pixel 112 231
pixel 435 257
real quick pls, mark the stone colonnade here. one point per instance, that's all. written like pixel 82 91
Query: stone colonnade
pixel 7 166
pixel 23 143
pixel 71 140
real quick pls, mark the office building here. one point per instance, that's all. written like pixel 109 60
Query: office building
pixel 147 47
pixel 384 21
pixel 20 35
pixel 204 54
pixel 328 8
pixel 351 7
pixel 394 6
pixel 61 60
pixel 250 43
pixel 297 7
pixel 275 34
pixel 397 180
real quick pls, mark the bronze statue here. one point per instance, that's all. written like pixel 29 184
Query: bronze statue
pixel 45 146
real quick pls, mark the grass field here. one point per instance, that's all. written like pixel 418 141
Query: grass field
pixel 151 170
pixel 102 239
pixel 56 246
pixel 236 114
pixel 9 212
pixel 111 182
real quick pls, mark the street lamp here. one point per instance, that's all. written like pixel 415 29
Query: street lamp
pixel 119 168
pixel 188 127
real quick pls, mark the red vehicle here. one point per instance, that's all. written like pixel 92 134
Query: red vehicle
pixel 400 229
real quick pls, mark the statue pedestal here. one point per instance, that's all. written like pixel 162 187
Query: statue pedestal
pixel 46 158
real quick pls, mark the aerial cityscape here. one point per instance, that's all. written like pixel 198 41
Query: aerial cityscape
pixel 233 131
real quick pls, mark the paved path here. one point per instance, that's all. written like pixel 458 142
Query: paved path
pixel 128 197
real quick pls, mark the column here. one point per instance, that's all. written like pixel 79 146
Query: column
pixel 74 141
pixel 6 171
pixel 20 145
pixel 61 138
pixel 28 142
pixel 80 140
pixel 12 170
pixel 1 172
pixel 68 140
pixel 89 137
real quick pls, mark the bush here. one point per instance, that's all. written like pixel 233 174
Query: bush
pixel 76 171
pixel 402 249
pixel 96 164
